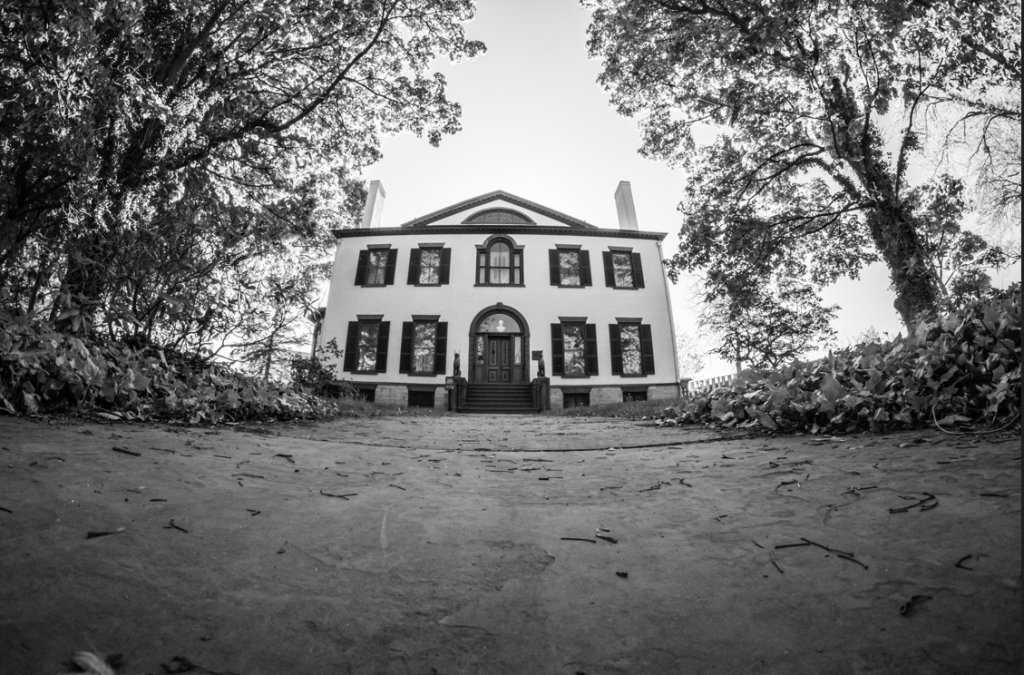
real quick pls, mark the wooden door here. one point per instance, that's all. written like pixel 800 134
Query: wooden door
pixel 499 359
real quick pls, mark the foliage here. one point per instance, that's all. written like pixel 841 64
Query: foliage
pixel 821 114
pixel 166 165
pixel 959 259
pixel 963 367
pixel 769 327
pixel 42 370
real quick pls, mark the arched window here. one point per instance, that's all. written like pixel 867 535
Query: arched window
pixel 499 263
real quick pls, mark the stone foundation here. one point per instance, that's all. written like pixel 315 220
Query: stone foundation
pixel 556 398
pixel 662 391
pixel 392 394
pixel 440 398
pixel 599 395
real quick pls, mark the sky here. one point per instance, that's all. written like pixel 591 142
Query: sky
pixel 536 123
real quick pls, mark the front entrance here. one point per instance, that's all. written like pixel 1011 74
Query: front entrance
pixel 498 359
pixel 499 343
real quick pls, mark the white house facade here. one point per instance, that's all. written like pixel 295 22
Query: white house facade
pixel 500 304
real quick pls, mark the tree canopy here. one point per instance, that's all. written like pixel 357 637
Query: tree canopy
pixel 821 110
pixel 166 163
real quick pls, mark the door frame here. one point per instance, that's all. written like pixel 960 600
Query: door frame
pixel 520 374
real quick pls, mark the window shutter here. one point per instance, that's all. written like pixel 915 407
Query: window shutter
pixel 647 348
pixel 405 355
pixel 615 340
pixel 557 352
pixel 414 266
pixel 392 261
pixel 609 273
pixel 446 263
pixel 591 349
pixel 638 272
pixel 382 346
pixel 351 344
pixel 364 257
pixel 556 277
pixel 586 278
pixel 441 349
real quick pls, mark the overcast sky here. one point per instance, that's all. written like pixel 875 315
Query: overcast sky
pixel 536 124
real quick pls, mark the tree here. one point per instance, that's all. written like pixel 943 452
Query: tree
pixel 821 111
pixel 959 259
pixel 152 150
pixel 690 356
pixel 770 328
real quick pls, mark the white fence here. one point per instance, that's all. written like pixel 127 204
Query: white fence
pixel 707 384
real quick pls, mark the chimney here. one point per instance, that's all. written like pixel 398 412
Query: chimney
pixel 374 205
pixel 624 205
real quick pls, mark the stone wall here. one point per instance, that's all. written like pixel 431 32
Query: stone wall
pixel 556 399
pixel 440 398
pixel 392 394
pixel 599 395
pixel 662 391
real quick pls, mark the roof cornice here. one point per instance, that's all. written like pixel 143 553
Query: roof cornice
pixel 590 231
pixel 480 200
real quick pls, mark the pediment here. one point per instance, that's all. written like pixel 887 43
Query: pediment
pixel 497 208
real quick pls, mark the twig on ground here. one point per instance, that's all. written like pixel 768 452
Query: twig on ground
pixel 337 496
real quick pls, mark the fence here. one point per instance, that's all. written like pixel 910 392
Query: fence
pixel 707 384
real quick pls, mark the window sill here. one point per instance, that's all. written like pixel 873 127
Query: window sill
pixel 633 376
pixel 374 285
pixel 565 286
pixel 501 285
pixel 625 288
pixel 427 285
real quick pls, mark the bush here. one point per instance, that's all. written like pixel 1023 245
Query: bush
pixel 42 370
pixel 961 368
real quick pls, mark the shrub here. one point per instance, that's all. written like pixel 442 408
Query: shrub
pixel 42 370
pixel 963 367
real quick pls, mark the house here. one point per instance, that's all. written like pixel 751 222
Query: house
pixel 499 303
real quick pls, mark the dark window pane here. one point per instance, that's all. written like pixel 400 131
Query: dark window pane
pixel 430 266
pixel 574 347
pixel 632 356
pixel 366 358
pixel 569 268
pixel 622 265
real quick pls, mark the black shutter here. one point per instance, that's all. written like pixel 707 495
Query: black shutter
pixel 647 348
pixel 591 349
pixel 414 267
pixel 615 340
pixel 351 345
pixel 609 273
pixel 405 355
pixel 364 257
pixel 638 272
pixel 392 261
pixel 446 264
pixel 585 277
pixel 382 346
pixel 556 277
pixel 557 351
pixel 441 348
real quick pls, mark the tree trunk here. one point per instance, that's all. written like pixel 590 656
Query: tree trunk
pixel 897 241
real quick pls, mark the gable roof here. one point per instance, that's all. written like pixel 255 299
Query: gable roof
pixel 496 195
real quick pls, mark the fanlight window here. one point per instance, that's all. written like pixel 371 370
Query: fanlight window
pixel 499 323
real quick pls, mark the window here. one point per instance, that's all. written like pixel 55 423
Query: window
pixel 633 395
pixel 632 348
pixel 429 265
pixel 421 398
pixel 376 266
pixel 499 263
pixel 366 349
pixel 573 348
pixel 424 346
pixel 570 267
pixel 622 269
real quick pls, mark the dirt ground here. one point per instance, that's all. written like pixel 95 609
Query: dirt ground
pixel 465 545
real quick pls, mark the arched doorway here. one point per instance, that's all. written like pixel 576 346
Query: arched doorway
pixel 499 342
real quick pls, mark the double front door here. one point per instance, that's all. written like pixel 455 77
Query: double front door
pixel 498 359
